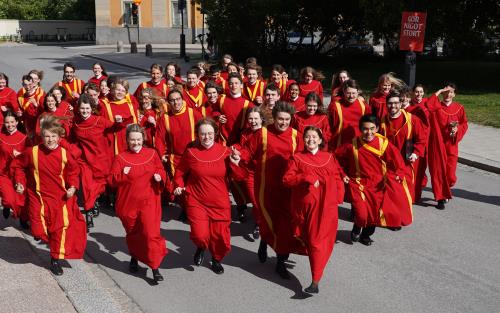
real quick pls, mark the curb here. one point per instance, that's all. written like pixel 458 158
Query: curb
pixel 479 165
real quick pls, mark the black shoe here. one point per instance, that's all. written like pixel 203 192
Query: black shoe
pixel 256 232
pixel 216 267
pixel 262 252
pixel 89 219
pixel 394 228
pixel 199 256
pixel 133 266
pixel 367 241
pixel 96 210
pixel 55 267
pixel 281 269
pixel 312 289
pixel 24 224
pixel 440 205
pixel 354 236
pixel 6 212
pixel 157 276
pixel 240 209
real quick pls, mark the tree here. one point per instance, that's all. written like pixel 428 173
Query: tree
pixel 47 10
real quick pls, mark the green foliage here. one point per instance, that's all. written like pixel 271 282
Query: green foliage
pixel 47 9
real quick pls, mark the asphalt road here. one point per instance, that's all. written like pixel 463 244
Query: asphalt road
pixel 446 261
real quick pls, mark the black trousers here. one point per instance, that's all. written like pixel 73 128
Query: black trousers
pixel 365 232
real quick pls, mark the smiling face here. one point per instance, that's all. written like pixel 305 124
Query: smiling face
pixel 270 97
pixel 36 79
pixel 10 124
pixel 97 70
pixel 234 85
pixel 386 87
pixel 192 80
pixel 252 76
pixel 171 71
pixel 51 103
pixel 276 77
pixel 119 92
pixel 351 94
pixel 175 101
pixel 282 121
pixel 449 95
pixel 254 120
pixel 212 95
pixel 308 77
pixel 103 87
pixel 312 140
pixel 206 135
pixel 311 107
pixel 368 131
pixel 394 106
pixel 294 91
pixel 50 139
pixel 343 77
pixel 69 74
pixel 135 141
pixel 3 83
pixel 418 93
pixel 146 101
pixel 156 76
pixel 57 94
pixel 85 110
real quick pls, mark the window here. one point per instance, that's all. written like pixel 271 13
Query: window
pixel 176 14
pixel 130 13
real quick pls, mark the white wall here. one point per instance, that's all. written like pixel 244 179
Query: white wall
pixel 8 27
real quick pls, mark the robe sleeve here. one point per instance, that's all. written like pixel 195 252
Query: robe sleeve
pixel 161 133
pixel 159 169
pixel 19 166
pixel 462 126
pixel 419 137
pixel 117 176
pixel 394 161
pixel 72 172
pixel 182 170
pixel 295 176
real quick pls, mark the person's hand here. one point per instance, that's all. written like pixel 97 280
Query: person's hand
pixel 118 118
pixel 178 191
pixel 235 156
pixel 70 192
pixel 75 95
pixel 70 107
pixel 19 188
pixel 316 183
pixel 157 177
pixel 3 108
pixel 346 179
pixel 413 157
pixel 259 100
pixel 19 113
pixel 15 153
pixel 151 120
pixel 33 102
pixel 222 119
pixel 454 131
pixel 126 170
pixel 445 89
pixel 164 158
pixel 399 179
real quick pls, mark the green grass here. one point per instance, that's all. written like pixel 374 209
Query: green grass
pixel 478 82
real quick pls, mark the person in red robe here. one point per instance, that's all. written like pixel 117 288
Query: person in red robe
pixel 337 80
pixel 173 72
pixel 280 78
pixel 175 129
pixel 213 92
pixel 89 134
pixel 215 76
pixel 310 82
pixel 193 93
pixel 12 144
pixel 100 74
pixel 386 83
pixel 295 99
pixel 271 147
pixel 373 170
pixel 8 97
pixel 31 102
pixel 419 109
pixel 203 175
pixel 448 125
pixel 317 188
pixel 104 89
pixel 121 106
pixel 72 85
pixel 224 64
pixel 345 115
pixel 156 83
pixel 271 97
pixel 314 115
pixel 50 176
pixel 139 177
pixel 253 88
pixel 405 131
pixel 60 110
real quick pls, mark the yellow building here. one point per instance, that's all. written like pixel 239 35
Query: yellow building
pixel 159 21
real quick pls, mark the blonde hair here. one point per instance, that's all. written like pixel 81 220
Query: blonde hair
pixel 52 124
pixel 396 83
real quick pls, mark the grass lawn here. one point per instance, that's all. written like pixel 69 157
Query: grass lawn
pixel 478 82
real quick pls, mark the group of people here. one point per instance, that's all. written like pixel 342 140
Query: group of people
pixel 271 143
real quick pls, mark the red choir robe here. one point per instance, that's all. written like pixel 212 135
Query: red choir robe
pixel 302 120
pixel 97 81
pixel 222 83
pixel 8 99
pixel 250 92
pixel 174 131
pixel 313 86
pixel 46 175
pixel 63 111
pixel 207 110
pixel 314 210
pixel 408 135
pixel 76 85
pixel 161 89
pixel 235 110
pixel 149 128
pixel 129 112
pixel 194 97
pixel 443 149
pixel 205 175
pixel 31 111
pixel 283 86
pixel 95 161
pixel 299 103
pixel 376 197
pixel 420 110
pixel 345 121
pixel 271 150
pixel 8 143
pixel 138 203
pixel 378 105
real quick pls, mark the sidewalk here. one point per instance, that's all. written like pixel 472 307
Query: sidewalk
pixel 27 285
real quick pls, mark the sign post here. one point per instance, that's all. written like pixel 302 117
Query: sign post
pixel 411 39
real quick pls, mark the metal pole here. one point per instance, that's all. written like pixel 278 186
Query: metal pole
pixel 183 37
pixel 411 59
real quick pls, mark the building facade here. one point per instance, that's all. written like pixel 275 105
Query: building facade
pixel 157 21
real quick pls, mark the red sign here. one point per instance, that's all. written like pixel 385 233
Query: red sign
pixel 412 31
pixel 137 2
